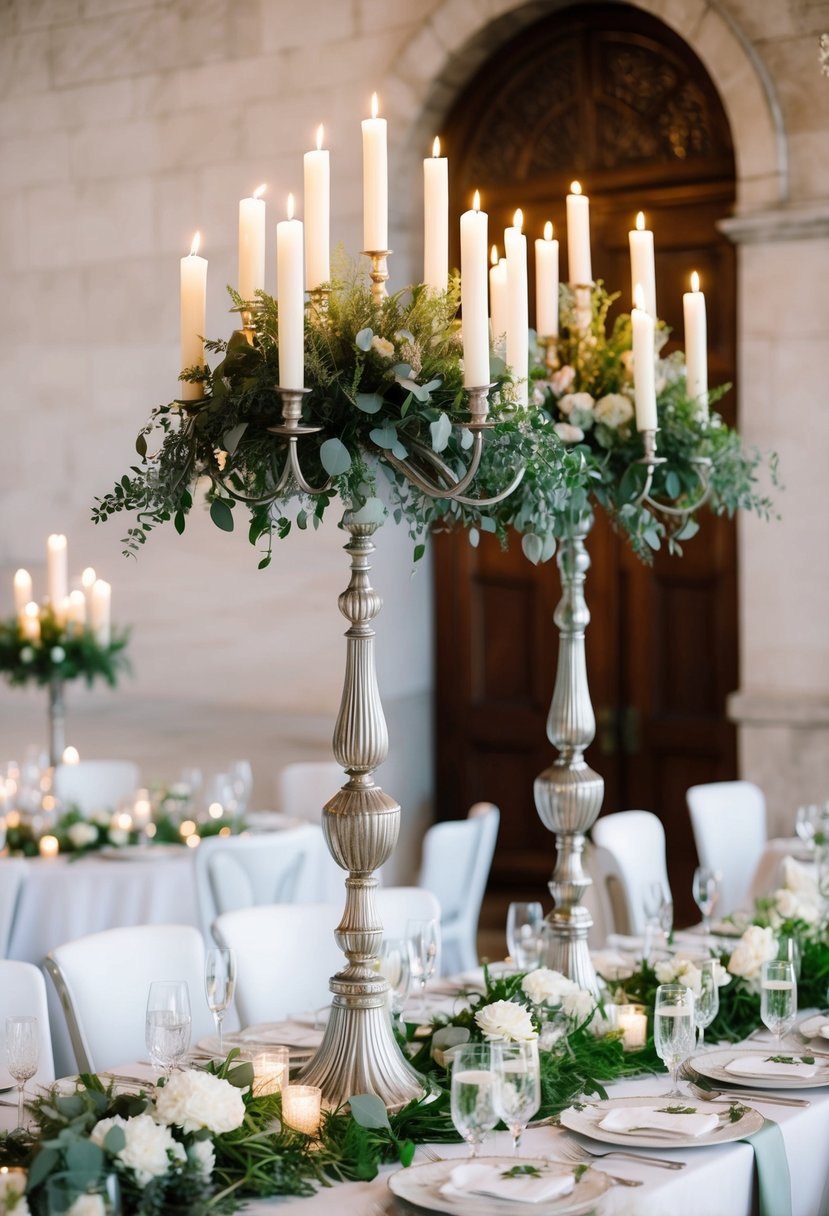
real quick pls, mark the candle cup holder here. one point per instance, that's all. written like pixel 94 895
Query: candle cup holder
pixel 479 407
pixel 292 424
pixel 379 272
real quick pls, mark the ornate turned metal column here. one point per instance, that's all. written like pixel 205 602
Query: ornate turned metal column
pixel 57 722
pixel 568 795
pixel 359 1053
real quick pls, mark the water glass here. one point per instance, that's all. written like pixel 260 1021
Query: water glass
pixel 167 1026
pixel 806 823
pixel 396 968
pixel 22 1051
pixel 706 889
pixel 219 985
pixel 525 923
pixel 674 1029
pixel 241 778
pixel 472 1093
pixel 424 942
pixel 778 997
pixel 517 1085
pixel 707 1003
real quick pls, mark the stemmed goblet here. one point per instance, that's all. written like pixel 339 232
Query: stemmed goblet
pixel 517 1085
pixel 778 998
pixel 22 1050
pixel 396 967
pixel 706 889
pixel 219 985
pixel 707 1003
pixel 168 1021
pixel 472 1093
pixel 673 1029
pixel 424 940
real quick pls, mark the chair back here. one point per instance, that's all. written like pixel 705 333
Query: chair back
pixel 397 905
pixel 23 993
pixel 95 785
pixel 13 874
pixel 103 981
pixel 636 841
pixel 728 819
pixel 457 856
pixel 302 789
pixel 606 899
pixel 285 956
pixel 236 872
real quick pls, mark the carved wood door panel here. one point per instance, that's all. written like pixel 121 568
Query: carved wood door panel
pixel 609 95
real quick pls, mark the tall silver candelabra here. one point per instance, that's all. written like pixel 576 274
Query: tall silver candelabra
pixel 57 721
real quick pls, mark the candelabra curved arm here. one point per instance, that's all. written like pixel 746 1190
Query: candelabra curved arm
pixel 702 467
pixel 453 486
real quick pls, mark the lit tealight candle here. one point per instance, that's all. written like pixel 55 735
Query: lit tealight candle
pixel 30 622
pixel 22 591
pixel 301 1108
pixel 70 756
pixel 696 345
pixel 633 1023
pixel 142 809
pixel 270 1072
pixel 192 317
pixel 48 846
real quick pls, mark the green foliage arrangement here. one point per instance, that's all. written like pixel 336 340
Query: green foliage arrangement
pixel 78 834
pixel 61 653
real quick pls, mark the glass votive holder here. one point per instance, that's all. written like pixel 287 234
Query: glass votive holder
pixel 633 1023
pixel 301 1108
pixel 48 846
pixel 270 1071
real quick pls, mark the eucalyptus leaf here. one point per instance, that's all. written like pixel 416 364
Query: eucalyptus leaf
pixel 488 524
pixel 363 339
pixel 384 436
pixel 335 457
pixel 42 1164
pixel 474 537
pixel 232 437
pixel 369 403
pixel 115 1139
pixel 467 438
pixel 369 1111
pixel 688 529
pixel 403 369
pixel 241 1076
pixel 371 512
pixel 441 432
pixel 533 547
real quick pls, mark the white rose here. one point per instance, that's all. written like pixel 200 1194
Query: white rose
pixel 57 654
pixel 118 837
pixel 562 380
pixel 614 410
pixel 578 1005
pixel 87 1205
pixel 679 970
pixel 202 1154
pixel 150 1149
pixel 505 1020
pixel 82 834
pixel 383 346
pixel 568 433
pixel 193 1100
pixel 721 975
pixel 12 1199
pixel 547 987
pixel 27 654
pixel 755 947
pixel 578 402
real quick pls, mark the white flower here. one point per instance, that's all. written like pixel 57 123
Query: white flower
pixel 505 1020
pixel 578 1005
pixel 12 1199
pixel 221 458
pixel 27 654
pixel 87 1205
pixel 202 1154
pixel 383 346
pixel 679 970
pixel 568 433
pixel 150 1149
pixel 721 974
pixel 546 987
pixel 755 947
pixel 614 410
pixel 562 380
pixel 118 837
pixel 193 1100
pixel 578 402
pixel 57 654
pixel 82 834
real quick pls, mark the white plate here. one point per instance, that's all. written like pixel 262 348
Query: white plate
pixel 141 852
pixel 712 1064
pixel 299 1041
pixel 586 1123
pixel 420 1184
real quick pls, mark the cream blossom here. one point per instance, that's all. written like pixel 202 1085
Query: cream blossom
pixel 87 1205
pixel 679 970
pixel 578 1005
pixel 568 433
pixel 202 1154
pixel 577 403
pixel 221 458
pixel 12 1197
pixel 382 346
pixel 150 1149
pixel 82 834
pixel 119 837
pixel 193 1100
pixel 57 654
pixel 563 380
pixel 547 987
pixel 755 947
pixel 614 410
pixel 506 1020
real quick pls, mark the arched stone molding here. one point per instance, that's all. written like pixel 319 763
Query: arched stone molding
pixel 460 35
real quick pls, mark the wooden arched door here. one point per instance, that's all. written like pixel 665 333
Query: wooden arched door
pixel 608 95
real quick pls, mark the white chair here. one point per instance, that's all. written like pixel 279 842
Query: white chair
pixel 13 874
pixel 397 905
pixel 242 871
pixel 728 819
pixel 103 981
pixel 23 993
pixel 95 785
pixel 636 842
pixel 457 856
pixel 302 789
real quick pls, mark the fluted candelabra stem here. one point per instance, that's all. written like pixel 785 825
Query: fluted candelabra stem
pixel 359 1053
pixel 57 721
pixel 568 795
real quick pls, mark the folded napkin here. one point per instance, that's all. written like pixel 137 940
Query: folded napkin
pixel 774 1188
pixel 762 1066
pixel 629 1118
pixel 815 1027
pixel 479 1179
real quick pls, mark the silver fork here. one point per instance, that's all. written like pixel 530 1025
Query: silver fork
pixel 578 1154
pixel 714 1095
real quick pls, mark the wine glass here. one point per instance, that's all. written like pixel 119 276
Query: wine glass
pixel 167 1026
pixel 524 926
pixel 517 1085
pixel 707 1003
pixel 673 1029
pixel 241 779
pixel 472 1093
pixel 778 997
pixel 219 985
pixel 805 824
pixel 396 967
pixel 706 890
pixel 424 940
pixel 22 1050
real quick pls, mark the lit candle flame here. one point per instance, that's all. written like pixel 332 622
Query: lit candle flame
pixel 320 136
pixel 640 221
pixel 88 577
pixel 548 231
pixel 639 296
pixel 476 201
pixel 32 611
pixel 575 187
pixel 375 105
pixel 260 190
pixel 290 206
pixel 493 257
pixel 194 248
pixel 436 146
pixel 70 755
pixel 694 281
pixel 518 219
